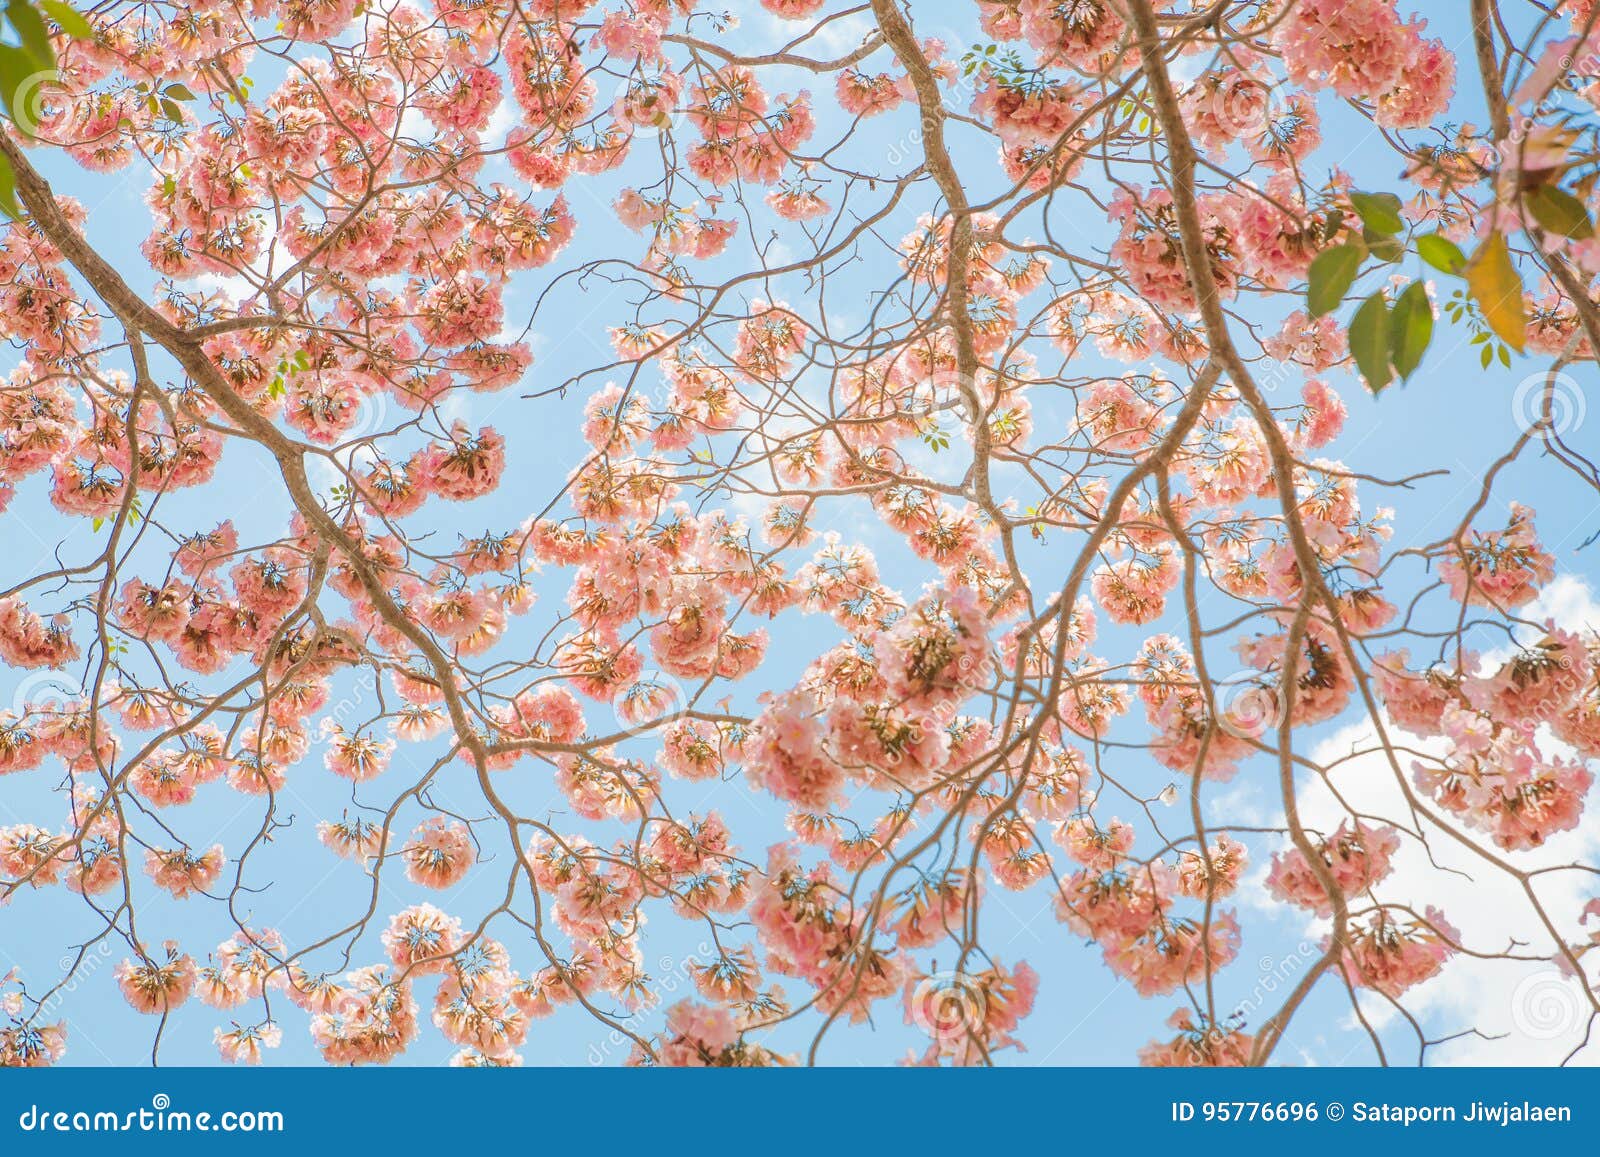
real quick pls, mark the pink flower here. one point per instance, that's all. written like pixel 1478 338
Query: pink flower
pixel 787 755
pixel 439 853
pixel 1355 859
pixel 356 757
pixel 157 986
pixel 1392 954
pixel 865 96
pixel 1199 1044
pixel 242 1044
pixel 1499 568
pixel 422 938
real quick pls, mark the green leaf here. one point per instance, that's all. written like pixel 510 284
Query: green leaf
pixel 172 110
pixel 71 22
pixel 8 191
pixel 1383 246
pixel 16 69
pixel 1410 329
pixel 34 35
pixel 177 91
pixel 1332 271
pixel 1497 288
pixel 1369 341
pixel 1558 211
pixel 1379 212
pixel 1441 253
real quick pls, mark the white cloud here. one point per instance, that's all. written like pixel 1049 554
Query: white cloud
pixel 1533 1013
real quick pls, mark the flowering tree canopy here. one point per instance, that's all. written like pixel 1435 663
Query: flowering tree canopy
pixel 788 535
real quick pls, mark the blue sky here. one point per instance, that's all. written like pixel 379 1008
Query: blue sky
pixel 1450 416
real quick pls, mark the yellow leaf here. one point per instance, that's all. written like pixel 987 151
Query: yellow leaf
pixel 1497 287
